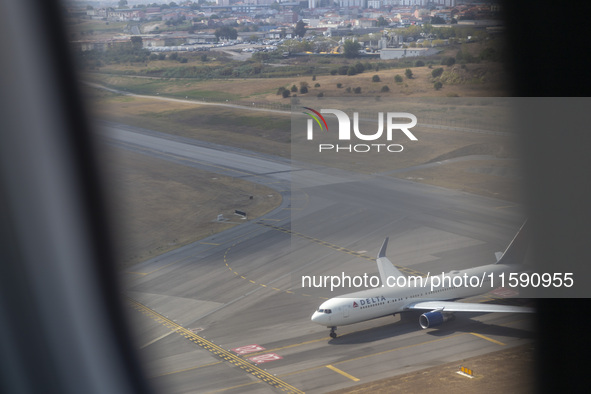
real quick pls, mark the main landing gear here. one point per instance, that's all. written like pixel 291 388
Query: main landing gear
pixel 333 334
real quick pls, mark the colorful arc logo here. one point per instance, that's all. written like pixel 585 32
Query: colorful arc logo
pixel 316 118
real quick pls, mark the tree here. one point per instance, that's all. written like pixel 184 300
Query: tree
pixel 359 67
pixel 375 78
pixel 382 21
pixel 226 32
pixel 437 20
pixel 294 88
pixel 437 85
pixel 122 3
pixel 342 70
pixel 300 28
pixel 397 78
pixel 408 73
pixel 304 90
pixel 285 93
pixel 351 49
pixel 137 42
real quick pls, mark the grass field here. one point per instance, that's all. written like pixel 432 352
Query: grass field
pixel 473 80
pixel 160 205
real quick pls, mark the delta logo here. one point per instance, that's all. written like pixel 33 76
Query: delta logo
pixel 393 127
pixel 369 301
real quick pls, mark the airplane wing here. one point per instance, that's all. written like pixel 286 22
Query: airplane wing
pixel 451 306
pixel 385 266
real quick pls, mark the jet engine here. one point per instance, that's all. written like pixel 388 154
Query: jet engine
pixel 434 318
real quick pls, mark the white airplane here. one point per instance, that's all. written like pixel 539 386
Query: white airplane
pixel 434 294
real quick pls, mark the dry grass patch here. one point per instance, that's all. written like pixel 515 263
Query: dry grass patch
pixel 485 79
pixel 160 205
pixel 257 131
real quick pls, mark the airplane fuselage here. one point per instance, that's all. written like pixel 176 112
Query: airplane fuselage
pixel 383 301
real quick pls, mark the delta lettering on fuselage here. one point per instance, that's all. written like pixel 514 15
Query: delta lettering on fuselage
pixel 368 301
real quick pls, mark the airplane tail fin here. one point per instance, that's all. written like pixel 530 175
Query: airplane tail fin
pixel 517 249
pixel 385 266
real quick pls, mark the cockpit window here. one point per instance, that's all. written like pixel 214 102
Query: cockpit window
pixel 327 311
pixel 321 310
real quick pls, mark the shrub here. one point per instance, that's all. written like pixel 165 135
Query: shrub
pixel 333 71
pixel 437 85
pixel 339 85
pixel 184 60
pixel 448 61
pixel 294 89
pixel 375 78
pixel 489 54
pixel 320 94
pixel 304 90
pixel 419 63
pixel 348 89
pixel 408 73
pixel 437 72
pixel 316 85
pixel 397 78
pixel 280 90
pixel 385 88
pixel 285 93
pixel 357 90
pixel 351 70
pixel 174 56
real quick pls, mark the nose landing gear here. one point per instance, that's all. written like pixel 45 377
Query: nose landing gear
pixel 333 334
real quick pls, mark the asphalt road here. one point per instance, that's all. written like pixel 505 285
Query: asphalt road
pixel 229 314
